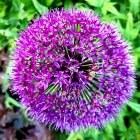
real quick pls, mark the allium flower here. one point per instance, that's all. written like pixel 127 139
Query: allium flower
pixel 72 71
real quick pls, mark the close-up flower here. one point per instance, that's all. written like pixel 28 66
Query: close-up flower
pixel 72 71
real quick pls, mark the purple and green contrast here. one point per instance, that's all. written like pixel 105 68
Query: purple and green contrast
pixel 72 71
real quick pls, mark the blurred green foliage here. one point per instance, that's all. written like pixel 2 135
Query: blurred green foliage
pixel 15 16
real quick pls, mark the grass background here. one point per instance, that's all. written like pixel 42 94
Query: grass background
pixel 15 15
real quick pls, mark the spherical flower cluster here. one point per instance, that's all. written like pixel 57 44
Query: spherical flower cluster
pixel 72 71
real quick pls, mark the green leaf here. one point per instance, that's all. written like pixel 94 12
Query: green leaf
pixel 136 60
pixel 68 4
pixel 130 23
pixel 11 43
pixel 5 83
pixel 9 32
pixel 137 94
pixel 131 32
pixel 82 6
pixel 137 25
pixel 120 120
pixel 57 3
pixel 16 10
pixel 3 42
pixel 2 9
pixel 24 24
pixel 102 2
pixel 134 6
pixel 129 27
pixel 49 2
pixel 110 7
pixel 39 7
pixel 75 136
pixel 134 106
pixel 30 13
pixel 93 3
pixel 6 78
pixel 134 34
pixel 10 101
pixel 27 3
pixel 120 26
pixel 3 23
pixel 97 3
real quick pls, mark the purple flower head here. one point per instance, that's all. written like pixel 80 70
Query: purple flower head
pixel 72 71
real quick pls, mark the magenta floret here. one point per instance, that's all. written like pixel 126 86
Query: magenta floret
pixel 72 71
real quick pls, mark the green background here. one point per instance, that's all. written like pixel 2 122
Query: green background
pixel 15 15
